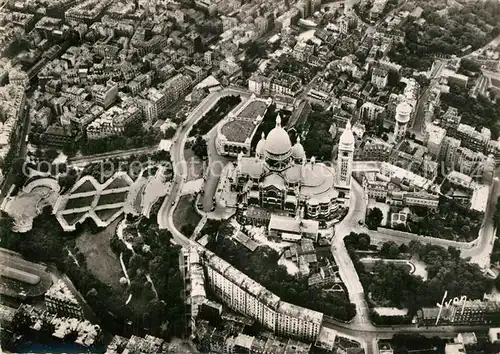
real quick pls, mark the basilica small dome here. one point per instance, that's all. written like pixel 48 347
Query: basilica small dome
pixel 298 152
pixel 260 150
pixel 277 141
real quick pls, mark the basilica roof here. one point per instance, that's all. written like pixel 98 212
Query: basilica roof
pixel 277 141
pixel 293 173
pixel 251 166
pixel 318 183
pixel 275 180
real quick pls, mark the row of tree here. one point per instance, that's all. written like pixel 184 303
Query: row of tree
pixel 213 116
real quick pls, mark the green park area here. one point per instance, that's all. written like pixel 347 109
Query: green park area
pixel 446 31
pixel 451 221
pixel 90 257
pixel 185 217
pixel 446 271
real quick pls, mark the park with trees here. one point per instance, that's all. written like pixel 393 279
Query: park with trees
pixel 446 271
pixel 447 31
pixel 374 218
pixel 318 141
pixel 159 312
pixel 134 136
pixel 478 112
pixel 451 221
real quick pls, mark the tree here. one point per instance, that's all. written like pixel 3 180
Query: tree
pixel 51 154
pixel 389 250
pixel 497 282
pixel 8 239
pixel 169 133
pixel 374 218
pixel 19 172
pixel 467 65
pixel 200 147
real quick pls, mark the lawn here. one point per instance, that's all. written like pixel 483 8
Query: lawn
pixel 105 214
pixel 74 203
pixel 112 198
pixel 100 259
pixel 194 164
pixel 73 217
pixel 495 82
pixel 185 216
pixel 87 186
pixel 118 182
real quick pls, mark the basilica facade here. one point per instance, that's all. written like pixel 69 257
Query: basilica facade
pixel 281 177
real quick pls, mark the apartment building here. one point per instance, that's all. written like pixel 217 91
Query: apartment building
pixel 106 95
pixel 12 101
pixel 451 119
pixel 375 188
pixel 433 138
pixel 176 86
pixel 207 56
pixel 60 301
pixel 370 111
pixel 87 11
pixel 462 180
pixel 113 121
pixel 244 295
pixel 380 77
pixel 57 136
pixel 194 279
pixel 373 149
pixel 154 103
pixel 471 138
pixel 470 162
pixel 139 83
pixel 279 84
pixel 449 150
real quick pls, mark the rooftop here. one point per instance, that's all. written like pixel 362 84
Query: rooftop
pixel 300 312
pixel 61 292
pixel 238 130
pixel 241 126
pixel 289 224
pixel 254 109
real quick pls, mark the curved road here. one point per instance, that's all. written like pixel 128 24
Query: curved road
pixel 360 327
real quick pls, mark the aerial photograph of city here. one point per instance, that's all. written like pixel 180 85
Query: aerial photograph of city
pixel 250 176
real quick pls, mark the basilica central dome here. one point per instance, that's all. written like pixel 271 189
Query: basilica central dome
pixel 277 141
